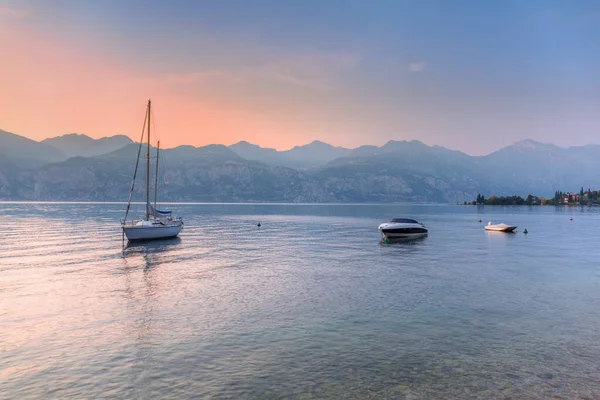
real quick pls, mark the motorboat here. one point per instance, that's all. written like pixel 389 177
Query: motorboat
pixel 157 224
pixel 499 227
pixel 403 228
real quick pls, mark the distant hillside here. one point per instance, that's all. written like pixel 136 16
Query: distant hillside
pixel 74 145
pixel 540 168
pixel 8 173
pixel 210 173
pixel 398 171
pixel 26 152
pixel 314 154
pixel 300 157
pixel 401 171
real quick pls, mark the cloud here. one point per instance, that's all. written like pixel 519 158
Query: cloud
pixel 313 71
pixel 12 13
pixel 417 66
pixel 197 77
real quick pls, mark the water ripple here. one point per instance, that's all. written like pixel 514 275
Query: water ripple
pixel 309 305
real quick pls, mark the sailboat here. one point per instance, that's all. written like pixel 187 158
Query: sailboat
pixel 157 224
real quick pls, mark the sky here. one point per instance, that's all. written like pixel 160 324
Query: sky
pixel 469 75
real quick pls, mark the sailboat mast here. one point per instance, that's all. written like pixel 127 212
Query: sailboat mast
pixel 156 174
pixel 148 166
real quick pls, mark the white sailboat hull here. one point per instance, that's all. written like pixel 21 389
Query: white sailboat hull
pixel 139 233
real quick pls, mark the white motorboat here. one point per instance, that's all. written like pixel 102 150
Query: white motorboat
pixel 499 227
pixel 156 224
pixel 403 228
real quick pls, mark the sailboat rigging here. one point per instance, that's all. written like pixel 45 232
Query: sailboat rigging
pixel 156 173
pixel 156 224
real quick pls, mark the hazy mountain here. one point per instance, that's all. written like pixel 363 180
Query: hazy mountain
pixel 26 152
pixel 300 157
pixel 401 171
pixel 314 154
pixel 8 173
pixel 365 151
pixel 396 172
pixel 253 152
pixel 415 171
pixel 73 144
pixel 210 173
pixel 543 168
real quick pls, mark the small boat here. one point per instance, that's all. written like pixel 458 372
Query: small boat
pixel 157 224
pixel 499 227
pixel 403 228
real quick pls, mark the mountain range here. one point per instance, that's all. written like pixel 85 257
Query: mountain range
pixel 73 144
pixel 78 168
pixel 300 157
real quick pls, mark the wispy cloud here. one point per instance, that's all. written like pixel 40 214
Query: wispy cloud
pixel 417 66
pixel 315 71
pixel 309 70
pixel 197 77
pixel 13 13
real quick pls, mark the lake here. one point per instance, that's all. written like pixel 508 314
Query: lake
pixel 309 305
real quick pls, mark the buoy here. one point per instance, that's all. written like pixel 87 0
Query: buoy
pixel 479 220
pixel 571 219
pixel 525 231
pixel 258 224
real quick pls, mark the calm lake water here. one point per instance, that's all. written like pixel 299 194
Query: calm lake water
pixel 310 305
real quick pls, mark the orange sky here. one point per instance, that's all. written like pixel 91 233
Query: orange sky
pixel 52 87
pixel 285 73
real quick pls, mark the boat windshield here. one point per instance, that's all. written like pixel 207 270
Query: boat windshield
pixel 404 221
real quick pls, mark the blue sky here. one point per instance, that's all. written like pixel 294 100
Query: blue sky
pixel 469 75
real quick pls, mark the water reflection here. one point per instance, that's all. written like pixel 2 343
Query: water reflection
pixel 500 237
pixel 144 283
pixel 309 306
pixel 153 246
pixel 495 233
pixel 403 241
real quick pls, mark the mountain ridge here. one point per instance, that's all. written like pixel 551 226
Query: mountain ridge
pixel 79 145
pixel 29 152
pixel 527 142
pixel 397 171
pixel 301 157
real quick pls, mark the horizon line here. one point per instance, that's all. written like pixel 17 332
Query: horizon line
pixel 309 143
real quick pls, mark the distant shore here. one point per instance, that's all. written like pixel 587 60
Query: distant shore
pixel 266 203
pixel 583 198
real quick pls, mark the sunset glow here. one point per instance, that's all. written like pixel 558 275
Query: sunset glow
pixel 336 73
pixel 57 88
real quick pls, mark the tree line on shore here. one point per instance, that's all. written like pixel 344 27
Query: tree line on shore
pixel 584 197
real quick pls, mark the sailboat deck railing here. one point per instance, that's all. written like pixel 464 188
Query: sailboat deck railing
pixel 168 220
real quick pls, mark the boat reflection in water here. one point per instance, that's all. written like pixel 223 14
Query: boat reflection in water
pixel 407 241
pixel 153 252
pixel 154 246
pixel 144 269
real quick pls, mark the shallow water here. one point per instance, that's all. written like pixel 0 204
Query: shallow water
pixel 309 305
